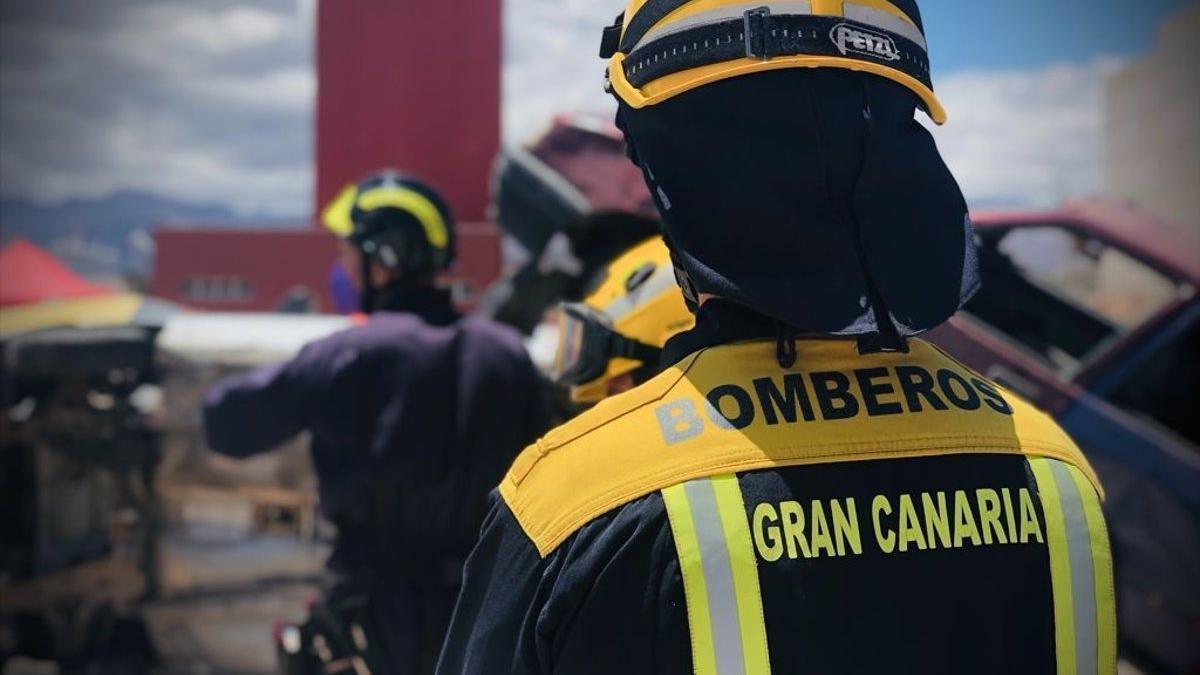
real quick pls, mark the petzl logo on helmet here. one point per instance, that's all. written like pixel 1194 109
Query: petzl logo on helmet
pixel 852 39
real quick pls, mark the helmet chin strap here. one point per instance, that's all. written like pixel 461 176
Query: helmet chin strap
pixel 376 298
pixel 367 294
pixel 886 337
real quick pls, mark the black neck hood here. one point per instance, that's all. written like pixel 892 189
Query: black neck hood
pixel 718 322
pixel 811 196
pixel 434 305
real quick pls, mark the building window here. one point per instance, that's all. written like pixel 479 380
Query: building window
pixel 230 289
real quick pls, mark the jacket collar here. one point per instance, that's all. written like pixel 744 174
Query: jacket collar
pixel 434 305
pixel 719 322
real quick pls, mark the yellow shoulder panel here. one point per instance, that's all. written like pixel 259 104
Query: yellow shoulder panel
pixel 732 408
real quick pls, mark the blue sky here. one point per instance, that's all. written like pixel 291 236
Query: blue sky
pixel 1024 34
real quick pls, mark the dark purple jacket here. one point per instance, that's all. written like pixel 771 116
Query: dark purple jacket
pixel 414 418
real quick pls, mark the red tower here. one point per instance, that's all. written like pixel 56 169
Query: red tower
pixel 413 85
pixel 409 84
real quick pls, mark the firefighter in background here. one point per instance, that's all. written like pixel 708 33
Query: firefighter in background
pixel 413 417
pixel 810 487
pixel 612 341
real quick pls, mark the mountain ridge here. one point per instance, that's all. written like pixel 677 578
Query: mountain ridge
pixel 111 237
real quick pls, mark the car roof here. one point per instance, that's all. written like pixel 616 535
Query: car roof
pixel 1173 249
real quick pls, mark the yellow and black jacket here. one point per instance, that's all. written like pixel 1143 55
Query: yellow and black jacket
pixel 887 513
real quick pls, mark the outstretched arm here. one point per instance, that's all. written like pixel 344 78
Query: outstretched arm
pixel 253 412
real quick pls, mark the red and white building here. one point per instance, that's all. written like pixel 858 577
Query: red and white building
pixel 398 85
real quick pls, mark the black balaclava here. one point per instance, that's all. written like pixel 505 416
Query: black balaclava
pixel 812 196
pixel 396 240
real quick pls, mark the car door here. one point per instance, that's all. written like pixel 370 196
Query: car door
pixel 1139 429
pixel 1001 358
pixel 1038 321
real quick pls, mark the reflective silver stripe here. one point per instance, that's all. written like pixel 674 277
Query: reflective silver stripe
pixel 885 20
pixel 1079 556
pixel 855 12
pixel 718 577
pixel 662 280
pixel 723 14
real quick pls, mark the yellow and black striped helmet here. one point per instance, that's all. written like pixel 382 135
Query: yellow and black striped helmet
pixel 622 324
pixel 662 48
pixel 397 220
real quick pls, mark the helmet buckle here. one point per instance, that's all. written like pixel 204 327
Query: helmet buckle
pixel 756 29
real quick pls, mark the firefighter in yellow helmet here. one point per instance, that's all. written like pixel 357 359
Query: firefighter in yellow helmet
pixel 412 417
pixel 613 339
pixel 810 487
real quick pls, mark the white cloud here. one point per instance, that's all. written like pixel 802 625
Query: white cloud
pixel 174 26
pixel 1025 137
pixel 201 101
pixel 550 62
pixel 287 90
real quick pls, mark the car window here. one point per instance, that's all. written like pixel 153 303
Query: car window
pixel 1103 279
pixel 1063 295
pixel 1163 388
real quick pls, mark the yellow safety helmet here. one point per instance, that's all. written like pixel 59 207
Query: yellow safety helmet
pixel 622 325
pixel 395 218
pixel 662 48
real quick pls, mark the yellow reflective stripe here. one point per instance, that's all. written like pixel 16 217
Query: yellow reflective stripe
pixel 631 11
pixel 827 7
pixel 720 576
pixel 745 574
pixel 1079 554
pixel 696 7
pixel 411 201
pixel 691 567
pixel 336 215
pixel 883 6
pixel 1106 609
pixel 884 15
pixel 1060 566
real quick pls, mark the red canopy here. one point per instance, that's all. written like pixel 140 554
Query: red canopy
pixel 30 274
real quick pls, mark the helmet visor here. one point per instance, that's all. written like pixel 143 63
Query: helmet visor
pixel 587 342
pixel 584 336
